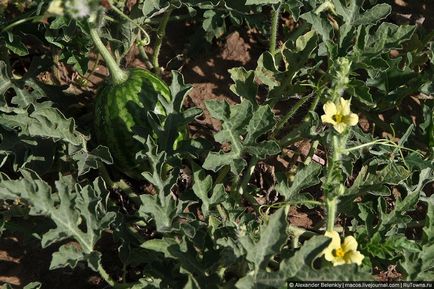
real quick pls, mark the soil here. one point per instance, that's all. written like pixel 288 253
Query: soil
pixel 209 72
pixel 24 261
pixel 389 275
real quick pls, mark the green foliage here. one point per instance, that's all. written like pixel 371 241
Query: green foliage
pixel 240 120
pixel 304 178
pixel 272 238
pixel 211 211
pixel 73 205
pixel 202 186
pixel 419 263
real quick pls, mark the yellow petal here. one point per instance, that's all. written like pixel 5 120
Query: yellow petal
pixel 55 7
pixel 340 127
pixel 350 244
pixel 354 257
pixel 334 244
pixel 329 108
pixel 327 118
pixel 336 240
pixel 328 254
pixel 338 261
pixel 352 119
pixel 344 106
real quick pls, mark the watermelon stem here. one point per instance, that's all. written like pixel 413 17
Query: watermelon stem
pixel 118 75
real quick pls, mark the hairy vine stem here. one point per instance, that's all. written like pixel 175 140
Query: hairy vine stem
pixel 311 153
pixel 281 123
pixel 331 208
pixel 274 28
pixel 143 53
pixel 20 21
pixel 159 41
pixel 333 186
pixel 315 101
pixel 106 276
pixel 384 142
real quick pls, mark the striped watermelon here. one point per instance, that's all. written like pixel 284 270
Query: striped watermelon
pixel 121 108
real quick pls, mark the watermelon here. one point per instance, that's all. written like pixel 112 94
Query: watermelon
pixel 121 109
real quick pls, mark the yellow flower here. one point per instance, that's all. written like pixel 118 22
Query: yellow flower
pixel 339 115
pixel 342 253
pixel 55 8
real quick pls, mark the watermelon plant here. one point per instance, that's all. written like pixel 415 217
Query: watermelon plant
pixel 122 103
pixel 302 149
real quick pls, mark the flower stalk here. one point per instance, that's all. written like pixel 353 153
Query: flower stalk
pixel 333 184
pixel 331 207
pixel 341 78
pixel 337 112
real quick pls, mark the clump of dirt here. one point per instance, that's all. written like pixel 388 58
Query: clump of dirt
pixel 413 12
pixel 299 219
pixel 389 275
pixel 209 72
pixel 9 262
